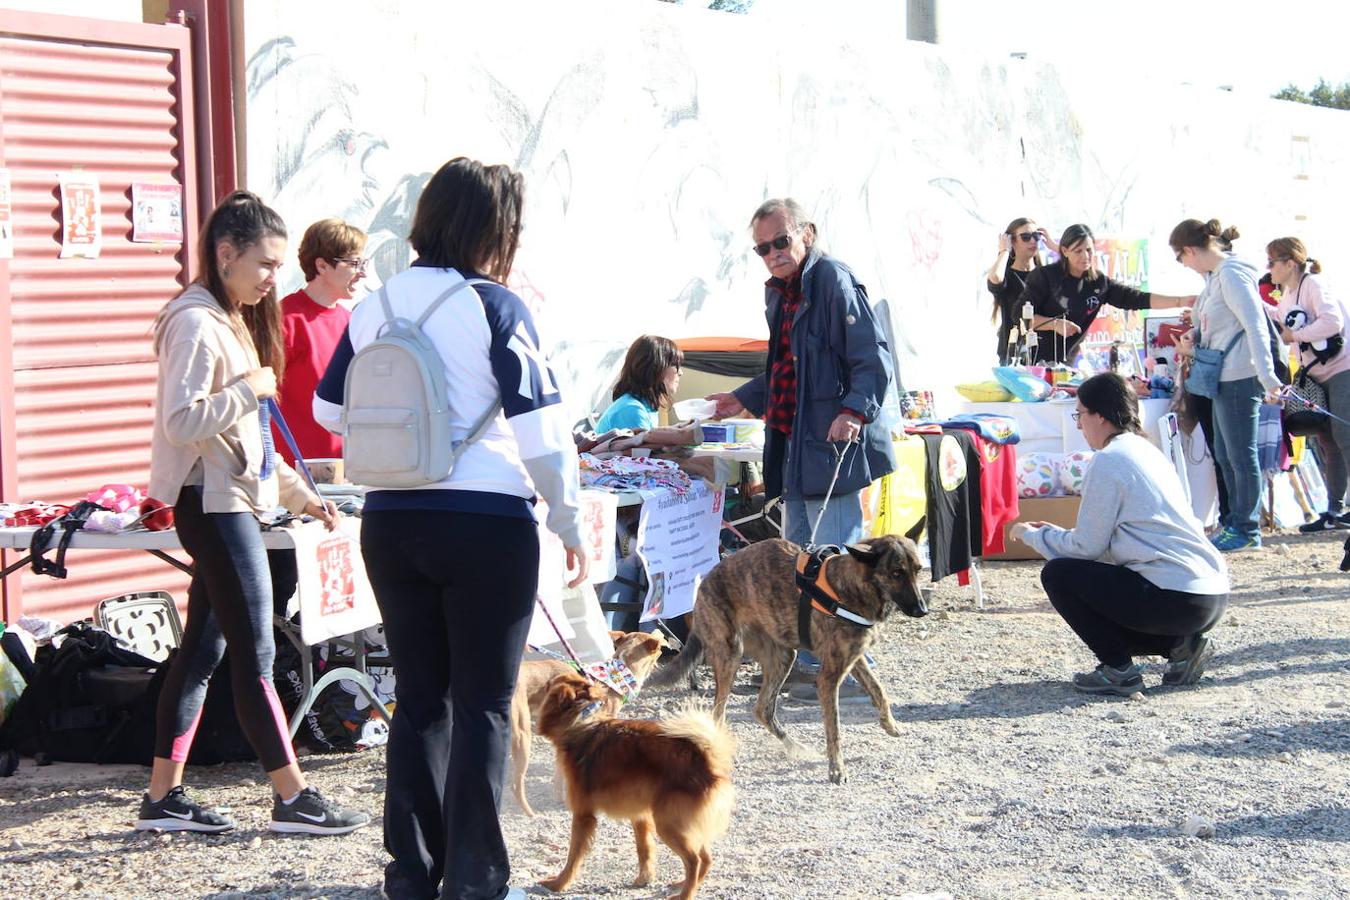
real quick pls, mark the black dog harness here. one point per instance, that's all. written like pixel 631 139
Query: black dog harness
pixel 818 595
pixel 68 524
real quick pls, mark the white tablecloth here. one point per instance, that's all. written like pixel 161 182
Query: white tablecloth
pixel 1049 427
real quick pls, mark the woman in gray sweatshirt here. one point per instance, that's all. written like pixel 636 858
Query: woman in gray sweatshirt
pixel 1135 575
pixel 1230 317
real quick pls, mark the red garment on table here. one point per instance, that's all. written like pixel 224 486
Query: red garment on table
pixel 998 492
pixel 310 333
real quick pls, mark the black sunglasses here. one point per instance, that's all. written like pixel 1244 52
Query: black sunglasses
pixel 1028 236
pixel 779 243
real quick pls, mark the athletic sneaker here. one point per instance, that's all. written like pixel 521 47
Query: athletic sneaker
pixel 1109 680
pixel 313 813
pixel 1326 522
pixel 1230 541
pixel 1188 664
pixel 179 812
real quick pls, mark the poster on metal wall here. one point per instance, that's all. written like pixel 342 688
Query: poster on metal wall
pixel 81 216
pixel 6 218
pixel 156 213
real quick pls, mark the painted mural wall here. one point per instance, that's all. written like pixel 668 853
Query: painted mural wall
pixel 648 134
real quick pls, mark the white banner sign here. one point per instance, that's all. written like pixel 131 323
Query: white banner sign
pixel 678 542
pixel 334 593
pixel 598 511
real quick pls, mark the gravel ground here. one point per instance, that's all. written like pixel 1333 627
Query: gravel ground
pixel 1004 783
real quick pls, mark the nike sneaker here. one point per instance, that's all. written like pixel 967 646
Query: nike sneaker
pixel 179 812
pixel 313 813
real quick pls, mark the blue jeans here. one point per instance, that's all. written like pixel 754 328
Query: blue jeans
pixel 1236 410
pixel 841 525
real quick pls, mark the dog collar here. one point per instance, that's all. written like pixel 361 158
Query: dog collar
pixel 590 711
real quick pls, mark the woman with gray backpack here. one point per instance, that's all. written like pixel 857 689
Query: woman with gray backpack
pixel 451 415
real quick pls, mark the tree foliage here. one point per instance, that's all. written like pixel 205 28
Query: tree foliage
pixel 1321 94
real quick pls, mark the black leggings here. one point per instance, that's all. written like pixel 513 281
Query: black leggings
pixel 457 593
pixel 1120 614
pixel 229 608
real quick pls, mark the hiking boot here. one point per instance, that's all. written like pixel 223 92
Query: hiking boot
pixel 179 812
pixel 1327 522
pixel 849 692
pixel 312 813
pixel 1109 680
pixel 1230 541
pixel 1188 664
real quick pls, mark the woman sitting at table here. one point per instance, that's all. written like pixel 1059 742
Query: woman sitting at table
pixel 647 381
pixel 1068 295
pixel 1135 575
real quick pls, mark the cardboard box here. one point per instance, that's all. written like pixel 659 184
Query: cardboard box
pixel 1061 511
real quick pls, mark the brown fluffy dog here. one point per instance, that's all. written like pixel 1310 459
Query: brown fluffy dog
pixel 749 601
pixel 639 650
pixel 673 777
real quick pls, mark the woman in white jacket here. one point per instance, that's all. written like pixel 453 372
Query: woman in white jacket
pixel 455 564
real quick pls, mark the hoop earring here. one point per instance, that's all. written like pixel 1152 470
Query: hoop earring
pixel 225 271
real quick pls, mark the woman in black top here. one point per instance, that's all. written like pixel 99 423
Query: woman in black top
pixel 1067 296
pixel 1018 254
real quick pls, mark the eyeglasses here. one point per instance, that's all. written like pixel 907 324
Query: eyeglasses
pixel 1075 415
pixel 1029 236
pixel 779 243
pixel 358 263
pixel 1271 262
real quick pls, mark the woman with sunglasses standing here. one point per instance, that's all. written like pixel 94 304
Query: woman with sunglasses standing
pixel 1018 254
pixel 1307 316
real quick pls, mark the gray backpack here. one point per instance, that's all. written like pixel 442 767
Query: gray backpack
pixel 395 412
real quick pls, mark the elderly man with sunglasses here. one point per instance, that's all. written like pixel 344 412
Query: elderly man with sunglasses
pixel 827 374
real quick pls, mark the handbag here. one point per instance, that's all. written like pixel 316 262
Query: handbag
pixel 1305 405
pixel 1206 366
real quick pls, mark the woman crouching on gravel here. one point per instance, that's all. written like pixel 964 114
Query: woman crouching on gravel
pixel 1136 574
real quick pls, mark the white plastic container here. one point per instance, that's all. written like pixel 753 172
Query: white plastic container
pixel 694 408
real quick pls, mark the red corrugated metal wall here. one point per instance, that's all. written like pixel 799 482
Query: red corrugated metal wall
pixel 115 100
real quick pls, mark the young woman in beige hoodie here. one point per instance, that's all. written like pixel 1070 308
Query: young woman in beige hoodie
pixel 220 357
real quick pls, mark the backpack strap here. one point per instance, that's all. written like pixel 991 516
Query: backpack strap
pixel 454 289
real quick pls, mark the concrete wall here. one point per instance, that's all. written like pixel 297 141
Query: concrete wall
pixel 648 133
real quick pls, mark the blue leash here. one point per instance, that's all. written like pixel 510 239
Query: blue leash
pixel 280 421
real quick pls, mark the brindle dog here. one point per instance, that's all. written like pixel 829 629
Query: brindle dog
pixel 748 603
